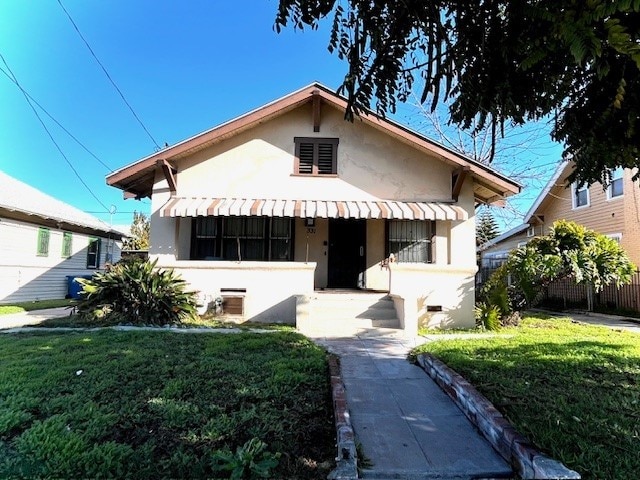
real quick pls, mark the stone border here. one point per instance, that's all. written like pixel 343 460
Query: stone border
pixel 528 462
pixel 346 460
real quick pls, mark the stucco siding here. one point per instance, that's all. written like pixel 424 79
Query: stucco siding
pixel 25 276
pixel 259 164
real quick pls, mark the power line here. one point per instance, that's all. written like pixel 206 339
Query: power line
pixel 49 133
pixel 57 122
pixel 108 76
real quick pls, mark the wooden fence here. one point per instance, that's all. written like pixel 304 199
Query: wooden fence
pixel 566 294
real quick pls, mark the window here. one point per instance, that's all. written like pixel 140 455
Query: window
pixel 580 196
pixel 522 244
pixel 67 244
pixel 204 235
pixel 531 232
pixel 316 156
pixel 242 238
pixel 43 242
pixel 615 236
pixel 93 253
pixel 411 241
pixel 615 188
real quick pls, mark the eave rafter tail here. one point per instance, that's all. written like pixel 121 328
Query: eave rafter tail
pixel 169 173
pixel 457 180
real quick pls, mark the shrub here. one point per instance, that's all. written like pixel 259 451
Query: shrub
pixel 136 293
pixel 252 460
pixel 487 316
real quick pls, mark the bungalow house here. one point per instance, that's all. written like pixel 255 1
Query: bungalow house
pixel 613 211
pixel 43 241
pixel 290 199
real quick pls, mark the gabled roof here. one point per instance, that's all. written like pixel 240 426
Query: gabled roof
pixel 137 178
pixel 542 196
pixel 562 166
pixel 505 236
pixel 17 199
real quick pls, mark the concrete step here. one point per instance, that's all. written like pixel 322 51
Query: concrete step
pixel 321 311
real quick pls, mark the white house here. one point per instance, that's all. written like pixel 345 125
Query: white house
pixel 291 198
pixel 44 240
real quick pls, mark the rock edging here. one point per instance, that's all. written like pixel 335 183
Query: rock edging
pixel 346 459
pixel 528 462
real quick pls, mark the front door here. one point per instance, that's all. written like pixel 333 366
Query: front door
pixel 347 241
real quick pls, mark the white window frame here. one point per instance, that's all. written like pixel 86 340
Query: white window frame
pixel 574 196
pixel 615 236
pixel 531 232
pixel 616 175
pixel 522 244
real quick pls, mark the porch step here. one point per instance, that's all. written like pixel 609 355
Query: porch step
pixel 360 310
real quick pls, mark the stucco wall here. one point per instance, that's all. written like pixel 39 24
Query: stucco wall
pixel 259 164
pixel 271 289
pixel 446 288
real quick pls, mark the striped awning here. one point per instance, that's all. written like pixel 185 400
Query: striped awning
pixel 367 209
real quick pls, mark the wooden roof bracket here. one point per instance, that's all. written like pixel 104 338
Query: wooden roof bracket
pixel 169 173
pixel 316 110
pixel 457 180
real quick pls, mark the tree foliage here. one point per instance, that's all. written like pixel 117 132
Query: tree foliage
pixel 568 251
pixel 497 61
pixel 486 226
pixel 139 239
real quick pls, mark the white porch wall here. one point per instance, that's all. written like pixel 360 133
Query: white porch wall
pixel 271 288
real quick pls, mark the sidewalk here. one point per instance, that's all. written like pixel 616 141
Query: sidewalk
pixel 602 319
pixel 407 426
pixel 33 317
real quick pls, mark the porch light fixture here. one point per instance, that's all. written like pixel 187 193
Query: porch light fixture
pixel 309 222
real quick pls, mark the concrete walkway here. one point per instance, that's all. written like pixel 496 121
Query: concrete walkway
pixel 33 317
pixel 407 426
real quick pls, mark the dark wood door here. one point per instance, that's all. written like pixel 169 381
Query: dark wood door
pixel 347 255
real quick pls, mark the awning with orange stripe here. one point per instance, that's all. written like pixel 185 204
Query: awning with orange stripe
pixel 365 209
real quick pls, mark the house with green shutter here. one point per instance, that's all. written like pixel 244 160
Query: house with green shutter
pixel 43 241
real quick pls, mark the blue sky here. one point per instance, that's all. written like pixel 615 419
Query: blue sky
pixel 183 66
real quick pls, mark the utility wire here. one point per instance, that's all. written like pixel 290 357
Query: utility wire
pixel 108 76
pixel 49 133
pixel 57 122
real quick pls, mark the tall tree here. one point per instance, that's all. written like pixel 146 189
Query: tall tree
pixel 497 60
pixel 139 239
pixel 486 226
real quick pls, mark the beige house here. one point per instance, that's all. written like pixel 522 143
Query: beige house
pixel 43 241
pixel 290 199
pixel 613 211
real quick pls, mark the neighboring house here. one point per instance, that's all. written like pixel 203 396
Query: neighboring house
pixel 43 240
pixel 290 198
pixel 613 211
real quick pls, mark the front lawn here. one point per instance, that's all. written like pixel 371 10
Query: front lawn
pixel 572 389
pixel 18 307
pixel 159 404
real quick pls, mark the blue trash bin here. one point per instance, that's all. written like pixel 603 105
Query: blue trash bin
pixel 74 289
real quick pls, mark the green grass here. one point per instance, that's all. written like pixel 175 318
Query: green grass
pixel 35 305
pixel 159 404
pixel 78 321
pixel 572 389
